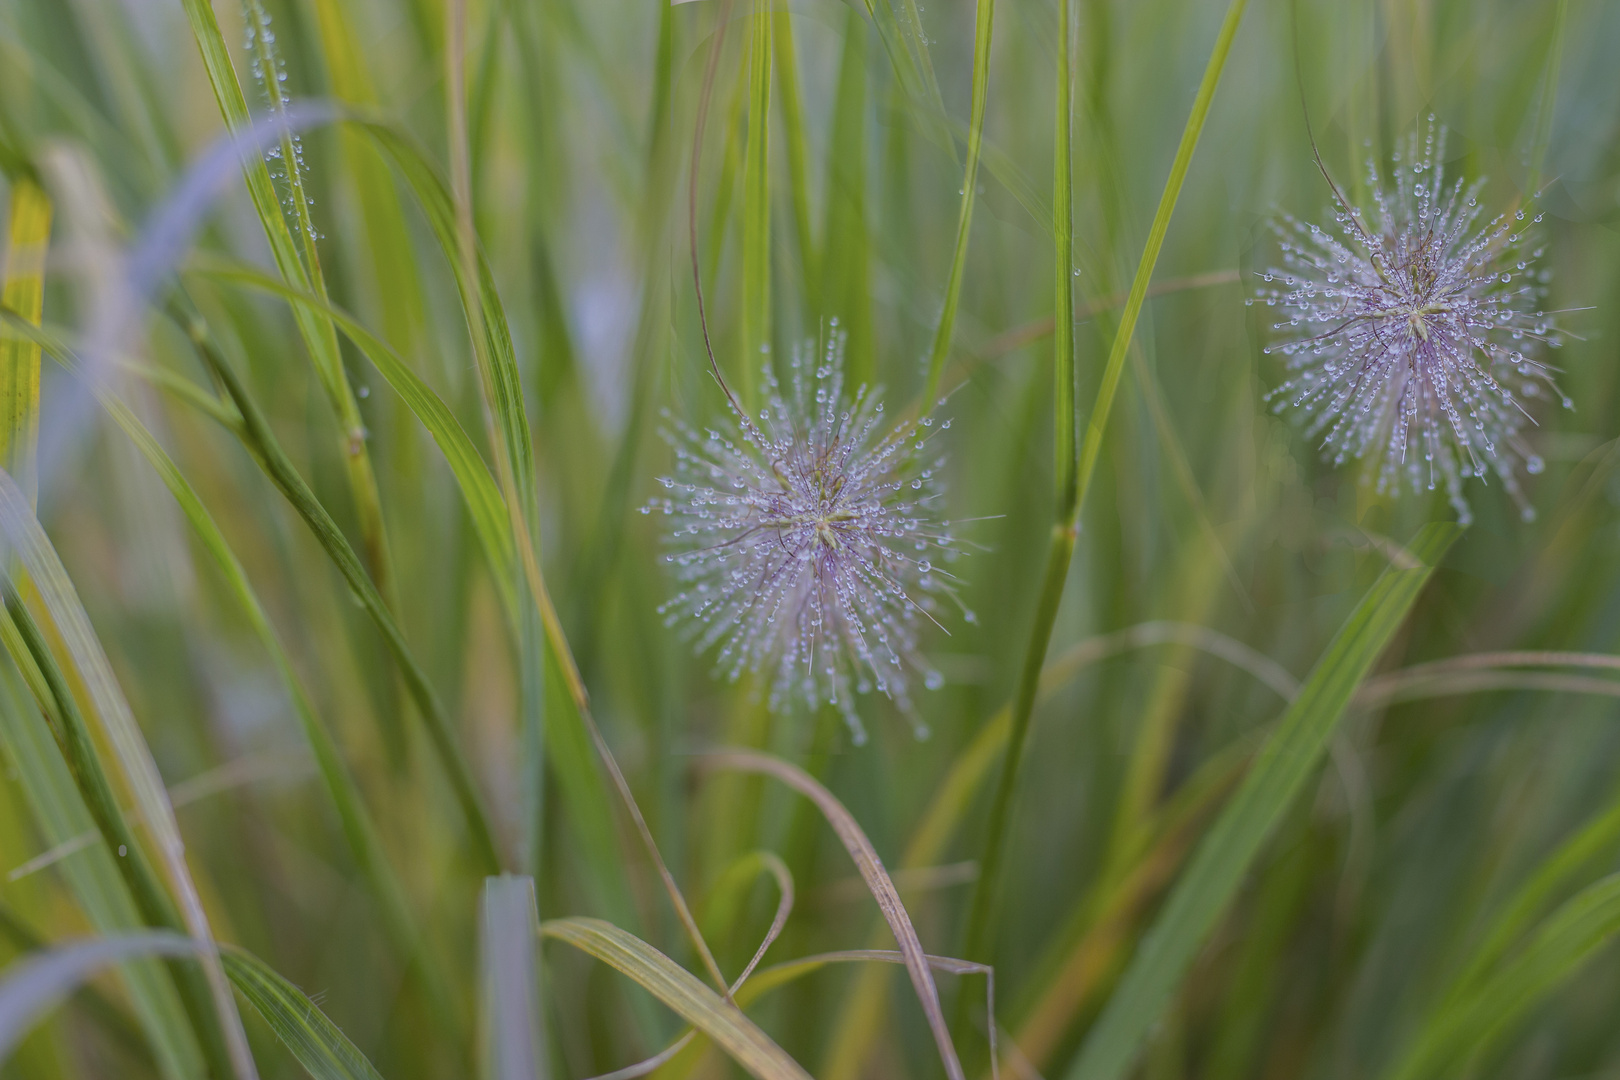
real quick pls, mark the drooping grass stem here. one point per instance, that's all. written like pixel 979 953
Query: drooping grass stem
pixel 1074 478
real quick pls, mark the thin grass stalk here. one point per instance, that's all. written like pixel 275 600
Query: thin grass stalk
pixel 980 931
pixel 1074 483
pixel 755 321
pixel 984 20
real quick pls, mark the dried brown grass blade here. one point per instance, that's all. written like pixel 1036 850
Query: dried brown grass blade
pixel 876 877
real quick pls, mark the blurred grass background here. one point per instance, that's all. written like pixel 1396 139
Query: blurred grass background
pixel 563 133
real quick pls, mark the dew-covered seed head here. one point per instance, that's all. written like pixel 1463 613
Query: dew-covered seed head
pixel 809 543
pixel 1412 331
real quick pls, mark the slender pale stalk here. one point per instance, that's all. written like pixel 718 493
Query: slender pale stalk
pixel 1074 481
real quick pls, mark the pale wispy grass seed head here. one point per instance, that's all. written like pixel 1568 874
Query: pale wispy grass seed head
pixel 1412 333
pixel 810 541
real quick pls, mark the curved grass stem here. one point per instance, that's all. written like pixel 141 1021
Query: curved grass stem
pixel 1074 478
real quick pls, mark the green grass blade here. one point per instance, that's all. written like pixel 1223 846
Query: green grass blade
pixel 1075 481
pixel 93 874
pixel 395 282
pixel 573 764
pixel 1285 763
pixel 483 498
pixel 983 22
pixel 508 925
pixel 35 985
pixel 299 263
pixel 1097 423
pixel 1575 855
pixel 1474 1024
pixel 318 1044
pixel 755 321
pixel 140 772
pixel 682 991
pixel 486 317
pixel 273 459
pixel 358 828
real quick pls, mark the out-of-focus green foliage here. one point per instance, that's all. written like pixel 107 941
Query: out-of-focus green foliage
pixel 341 574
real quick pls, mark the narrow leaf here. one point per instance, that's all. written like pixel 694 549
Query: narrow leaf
pixel 56 591
pixel 1472 1026
pixel 1287 760
pixel 320 1047
pixel 682 991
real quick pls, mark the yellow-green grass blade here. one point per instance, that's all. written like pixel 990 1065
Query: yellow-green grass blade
pixel 508 926
pixel 486 317
pixel 682 991
pixel 485 506
pixel 1076 480
pixel 754 323
pixel 318 1044
pixel 356 822
pixel 1476 1022
pixel 23 292
pixel 979 940
pixel 33 986
pixel 269 455
pixel 984 20
pixel 38 667
pixel 566 737
pixel 864 1008
pixel 1287 760
pixel 140 773
pixel 92 874
pixel 1114 367
pixel 300 267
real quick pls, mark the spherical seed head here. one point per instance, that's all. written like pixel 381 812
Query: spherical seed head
pixel 809 542
pixel 1412 333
